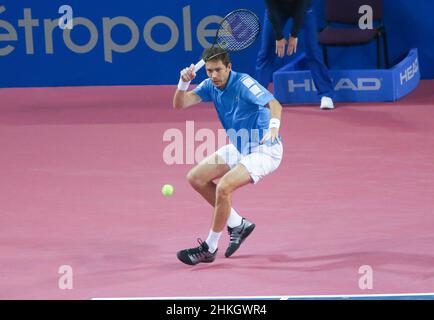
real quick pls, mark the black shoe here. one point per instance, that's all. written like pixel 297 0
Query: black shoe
pixel 238 235
pixel 196 255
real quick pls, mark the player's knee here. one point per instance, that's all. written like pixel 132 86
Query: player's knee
pixel 224 188
pixel 195 179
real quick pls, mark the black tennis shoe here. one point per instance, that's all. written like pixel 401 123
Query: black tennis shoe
pixel 196 255
pixel 238 235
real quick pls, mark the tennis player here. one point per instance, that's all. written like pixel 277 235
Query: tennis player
pixel 255 150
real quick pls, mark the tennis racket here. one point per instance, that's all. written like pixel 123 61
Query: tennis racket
pixel 237 31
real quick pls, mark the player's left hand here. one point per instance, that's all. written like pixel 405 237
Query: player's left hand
pixel 272 134
pixel 292 45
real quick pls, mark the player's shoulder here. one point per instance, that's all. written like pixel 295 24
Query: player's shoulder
pixel 248 84
pixel 244 81
pixel 205 83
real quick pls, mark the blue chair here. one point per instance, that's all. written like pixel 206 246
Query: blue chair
pixel 346 14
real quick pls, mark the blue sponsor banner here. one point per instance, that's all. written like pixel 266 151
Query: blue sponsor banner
pixel 133 42
pixel 112 42
pixel 406 75
pixel 293 85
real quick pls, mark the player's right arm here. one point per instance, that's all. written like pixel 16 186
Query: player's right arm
pixel 183 98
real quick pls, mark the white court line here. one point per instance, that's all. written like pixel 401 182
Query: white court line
pixel 273 297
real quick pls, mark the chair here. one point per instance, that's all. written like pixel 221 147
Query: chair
pixel 346 13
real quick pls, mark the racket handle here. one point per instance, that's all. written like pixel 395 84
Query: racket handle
pixel 199 65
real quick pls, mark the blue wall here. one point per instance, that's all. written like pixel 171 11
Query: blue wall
pixel 409 23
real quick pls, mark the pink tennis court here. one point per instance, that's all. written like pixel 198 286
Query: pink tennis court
pixel 81 175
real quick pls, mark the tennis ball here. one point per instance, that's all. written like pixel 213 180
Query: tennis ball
pixel 167 190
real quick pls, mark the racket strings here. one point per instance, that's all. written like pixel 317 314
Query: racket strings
pixel 238 31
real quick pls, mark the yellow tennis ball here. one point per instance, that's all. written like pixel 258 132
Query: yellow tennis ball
pixel 167 190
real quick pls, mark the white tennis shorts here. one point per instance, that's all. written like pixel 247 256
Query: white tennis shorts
pixel 263 159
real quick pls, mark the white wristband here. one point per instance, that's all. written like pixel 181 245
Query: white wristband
pixel 182 85
pixel 274 123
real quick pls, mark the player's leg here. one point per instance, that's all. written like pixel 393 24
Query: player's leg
pixel 234 179
pixel 263 161
pixel 202 175
pixel 215 166
pixel 201 178
pixel 231 181
pixel 251 168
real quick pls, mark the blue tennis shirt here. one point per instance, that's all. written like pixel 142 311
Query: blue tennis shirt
pixel 241 107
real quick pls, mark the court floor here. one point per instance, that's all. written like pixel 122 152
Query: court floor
pixel 81 171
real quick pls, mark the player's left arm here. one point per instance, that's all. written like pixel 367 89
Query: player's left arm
pixel 276 115
pixel 256 94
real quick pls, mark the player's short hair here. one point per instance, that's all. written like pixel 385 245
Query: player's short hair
pixel 215 54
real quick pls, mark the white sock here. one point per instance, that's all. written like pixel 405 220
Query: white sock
pixel 213 240
pixel 234 219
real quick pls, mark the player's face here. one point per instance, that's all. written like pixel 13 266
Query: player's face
pixel 218 72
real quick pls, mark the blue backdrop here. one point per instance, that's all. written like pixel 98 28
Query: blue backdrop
pixel 132 43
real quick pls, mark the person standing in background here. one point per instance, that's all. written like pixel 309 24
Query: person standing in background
pixel 274 45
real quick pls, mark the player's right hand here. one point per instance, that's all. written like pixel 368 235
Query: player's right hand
pixel 188 74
